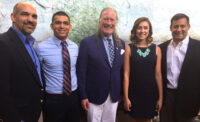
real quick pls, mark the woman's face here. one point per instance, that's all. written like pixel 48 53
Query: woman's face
pixel 142 30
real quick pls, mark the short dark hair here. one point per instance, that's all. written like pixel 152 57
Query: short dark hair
pixel 60 13
pixel 180 16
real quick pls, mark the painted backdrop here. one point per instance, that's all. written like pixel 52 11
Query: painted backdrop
pixel 84 16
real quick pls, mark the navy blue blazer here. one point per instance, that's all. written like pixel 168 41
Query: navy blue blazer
pixel 96 78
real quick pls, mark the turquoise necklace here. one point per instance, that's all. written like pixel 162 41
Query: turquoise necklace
pixel 143 54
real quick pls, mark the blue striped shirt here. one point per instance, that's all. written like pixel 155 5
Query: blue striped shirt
pixel 50 55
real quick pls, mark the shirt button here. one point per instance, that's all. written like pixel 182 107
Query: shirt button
pixel 42 89
pixel 41 101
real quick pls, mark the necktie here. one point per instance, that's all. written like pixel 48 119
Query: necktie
pixel 66 69
pixel 111 51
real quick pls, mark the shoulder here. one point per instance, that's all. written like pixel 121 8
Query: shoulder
pixel 158 50
pixel 5 37
pixel 127 47
pixel 194 41
pixel 6 44
pixel 88 40
pixel 73 44
pixel 122 42
pixel 164 44
pixel 3 40
pixel 45 43
pixel 195 44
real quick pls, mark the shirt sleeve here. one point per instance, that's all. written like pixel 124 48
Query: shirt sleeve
pixel 39 53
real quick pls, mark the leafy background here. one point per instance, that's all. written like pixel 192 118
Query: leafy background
pixel 84 15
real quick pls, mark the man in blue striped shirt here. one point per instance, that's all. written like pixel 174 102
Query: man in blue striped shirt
pixel 59 107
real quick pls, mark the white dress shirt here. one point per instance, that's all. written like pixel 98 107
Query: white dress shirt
pixel 175 57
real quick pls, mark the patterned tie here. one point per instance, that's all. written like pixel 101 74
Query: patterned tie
pixel 111 51
pixel 66 69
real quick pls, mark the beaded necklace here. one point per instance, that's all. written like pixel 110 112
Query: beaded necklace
pixel 143 54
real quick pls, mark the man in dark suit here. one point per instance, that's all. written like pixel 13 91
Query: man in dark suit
pixel 98 69
pixel 180 70
pixel 21 85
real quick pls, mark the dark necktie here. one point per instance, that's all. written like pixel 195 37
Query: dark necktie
pixel 66 69
pixel 111 51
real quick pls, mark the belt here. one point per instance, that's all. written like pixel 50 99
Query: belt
pixel 171 90
pixel 61 95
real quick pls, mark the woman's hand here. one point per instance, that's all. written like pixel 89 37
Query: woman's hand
pixel 127 105
pixel 159 105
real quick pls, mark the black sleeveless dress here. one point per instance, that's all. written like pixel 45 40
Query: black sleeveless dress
pixel 143 91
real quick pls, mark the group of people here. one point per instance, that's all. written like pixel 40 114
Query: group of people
pixel 58 76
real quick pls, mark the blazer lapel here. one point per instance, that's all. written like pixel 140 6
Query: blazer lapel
pixel 164 57
pixel 24 54
pixel 102 51
pixel 187 58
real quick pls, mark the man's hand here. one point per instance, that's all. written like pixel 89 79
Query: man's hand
pixel 85 104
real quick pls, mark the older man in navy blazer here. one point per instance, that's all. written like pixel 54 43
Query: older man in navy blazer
pixel 98 69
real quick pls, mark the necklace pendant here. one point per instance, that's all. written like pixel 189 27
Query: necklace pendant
pixel 143 54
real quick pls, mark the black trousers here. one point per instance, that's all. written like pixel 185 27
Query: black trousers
pixel 168 112
pixel 62 108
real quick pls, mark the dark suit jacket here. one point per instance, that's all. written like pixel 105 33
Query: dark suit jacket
pixel 96 78
pixel 20 86
pixel 188 94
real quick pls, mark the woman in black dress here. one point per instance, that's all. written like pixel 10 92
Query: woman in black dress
pixel 142 74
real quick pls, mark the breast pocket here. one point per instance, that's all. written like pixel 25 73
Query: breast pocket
pixel 73 58
pixel 53 61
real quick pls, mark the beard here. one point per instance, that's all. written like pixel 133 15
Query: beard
pixel 27 30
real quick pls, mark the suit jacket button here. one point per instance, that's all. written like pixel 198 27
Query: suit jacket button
pixel 41 101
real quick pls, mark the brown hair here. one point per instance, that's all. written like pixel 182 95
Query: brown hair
pixel 133 36
pixel 180 16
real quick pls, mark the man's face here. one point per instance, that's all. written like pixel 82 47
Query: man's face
pixel 25 19
pixel 179 29
pixel 61 26
pixel 108 22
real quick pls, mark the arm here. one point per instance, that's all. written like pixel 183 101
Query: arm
pixel 8 110
pixel 82 62
pixel 127 103
pixel 158 77
pixel 38 51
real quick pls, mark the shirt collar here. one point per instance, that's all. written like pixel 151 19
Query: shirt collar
pixel 182 43
pixel 23 38
pixel 105 38
pixel 58 41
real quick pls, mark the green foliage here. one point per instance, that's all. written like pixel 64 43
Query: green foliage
pixel 84 16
